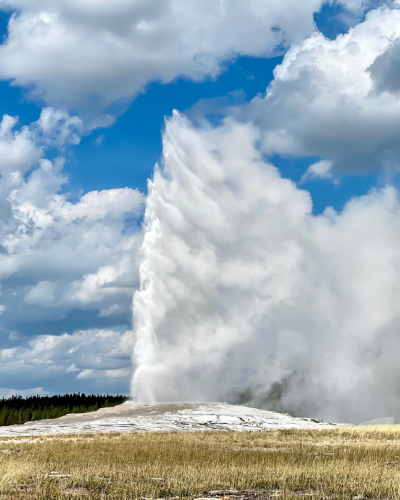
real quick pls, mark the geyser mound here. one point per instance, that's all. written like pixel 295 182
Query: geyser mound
pixel 162 417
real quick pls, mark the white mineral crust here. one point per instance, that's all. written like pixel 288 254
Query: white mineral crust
pixel 131 417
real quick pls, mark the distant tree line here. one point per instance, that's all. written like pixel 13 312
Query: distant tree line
pixel 18 410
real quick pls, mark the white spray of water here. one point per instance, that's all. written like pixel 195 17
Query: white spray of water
pixel 246 296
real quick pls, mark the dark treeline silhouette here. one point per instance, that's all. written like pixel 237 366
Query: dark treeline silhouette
pixel 18 410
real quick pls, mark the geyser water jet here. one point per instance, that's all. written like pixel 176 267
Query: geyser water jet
pixel 242 287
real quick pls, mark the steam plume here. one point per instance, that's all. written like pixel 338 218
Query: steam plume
pixel 247 297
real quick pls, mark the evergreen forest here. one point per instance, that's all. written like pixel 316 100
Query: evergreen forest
pixel 18 410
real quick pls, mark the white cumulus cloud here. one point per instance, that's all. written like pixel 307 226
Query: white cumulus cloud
pixel 59 361
pixel 85 55
pixel 319 170
pixel 64 265
pixel 337 99
pixel 69 255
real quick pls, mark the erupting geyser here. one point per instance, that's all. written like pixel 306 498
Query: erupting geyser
pixel 247 296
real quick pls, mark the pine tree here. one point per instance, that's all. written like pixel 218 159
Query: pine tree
pixel 26 415
pixel 3 416
pixel 11 417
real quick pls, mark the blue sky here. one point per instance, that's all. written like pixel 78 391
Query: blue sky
pixel 92 85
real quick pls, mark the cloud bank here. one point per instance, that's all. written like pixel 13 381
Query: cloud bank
pixel 67 263
pixel 99 359
pixel 246 296
pixel 86 55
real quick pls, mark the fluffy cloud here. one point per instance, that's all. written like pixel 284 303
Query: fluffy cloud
pixel 22 148
pixel 337 99
pixel 246 296
pixel 63 265
pixel 61 361
pixel 86 54
pixel 60 256
pixel 319 170
pixel 59 128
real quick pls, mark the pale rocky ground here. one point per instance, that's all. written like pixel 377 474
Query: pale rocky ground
pixel 130 417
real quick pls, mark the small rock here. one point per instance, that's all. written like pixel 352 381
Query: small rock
pixel 223 492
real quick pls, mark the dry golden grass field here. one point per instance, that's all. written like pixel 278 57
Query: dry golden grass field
pixel 340 463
